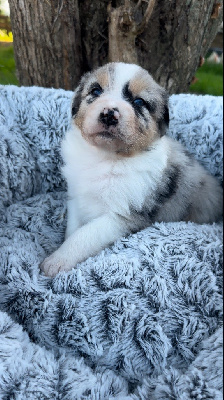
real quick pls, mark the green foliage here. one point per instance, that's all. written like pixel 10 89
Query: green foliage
pixel 210 80
pixel 7 66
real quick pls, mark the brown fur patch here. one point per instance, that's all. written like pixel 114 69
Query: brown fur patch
pixel 140 83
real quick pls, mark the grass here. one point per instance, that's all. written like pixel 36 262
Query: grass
pixel 7 66
pixel 210 75
pixel 210 80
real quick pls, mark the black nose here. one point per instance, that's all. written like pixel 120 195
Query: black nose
pixel 109 117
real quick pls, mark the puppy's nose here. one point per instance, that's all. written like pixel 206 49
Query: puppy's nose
pixel 109 117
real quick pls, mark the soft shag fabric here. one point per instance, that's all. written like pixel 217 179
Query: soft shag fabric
pixel 141 320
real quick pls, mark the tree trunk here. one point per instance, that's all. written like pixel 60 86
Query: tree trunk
pixel 55 43
pixel 180 34
pixel 124 28
pixel 47 42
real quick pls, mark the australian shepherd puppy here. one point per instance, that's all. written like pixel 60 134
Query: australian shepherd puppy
pixel 123 173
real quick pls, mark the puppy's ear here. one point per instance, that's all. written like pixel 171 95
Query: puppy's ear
pixel 77 98
pixel 164 119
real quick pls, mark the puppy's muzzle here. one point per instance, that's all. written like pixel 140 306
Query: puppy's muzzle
pixel 109 117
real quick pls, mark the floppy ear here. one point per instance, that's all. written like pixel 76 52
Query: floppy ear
pixel 77 98
pixel 163 121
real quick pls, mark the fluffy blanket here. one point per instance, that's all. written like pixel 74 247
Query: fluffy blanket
pixel 142 319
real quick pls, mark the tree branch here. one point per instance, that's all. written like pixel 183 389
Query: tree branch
pixel 140 28
pixel 138 5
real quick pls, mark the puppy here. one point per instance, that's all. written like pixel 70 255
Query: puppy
pixel 123 174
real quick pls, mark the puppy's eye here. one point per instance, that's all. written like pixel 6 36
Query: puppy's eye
pixel 139 102
pixel 96 92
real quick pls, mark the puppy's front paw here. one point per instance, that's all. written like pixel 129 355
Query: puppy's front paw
pixel 55 263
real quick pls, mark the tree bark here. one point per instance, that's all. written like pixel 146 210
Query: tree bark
pixel 55 41
pixel 124 29
pixel 94 32
pixel 47 42
pixel 179 34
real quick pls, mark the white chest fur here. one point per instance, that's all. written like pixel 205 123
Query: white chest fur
pixel 101 182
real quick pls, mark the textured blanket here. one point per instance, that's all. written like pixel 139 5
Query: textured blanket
pixel 142 319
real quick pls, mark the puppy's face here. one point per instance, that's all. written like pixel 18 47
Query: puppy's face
pixel 120 108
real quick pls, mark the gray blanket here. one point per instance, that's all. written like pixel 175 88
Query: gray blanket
pixel 142 319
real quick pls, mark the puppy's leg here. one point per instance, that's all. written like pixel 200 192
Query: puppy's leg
pixel 73 221
pixel 87 241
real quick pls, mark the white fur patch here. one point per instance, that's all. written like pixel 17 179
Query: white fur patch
pixel 123 74
pixel 102 182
